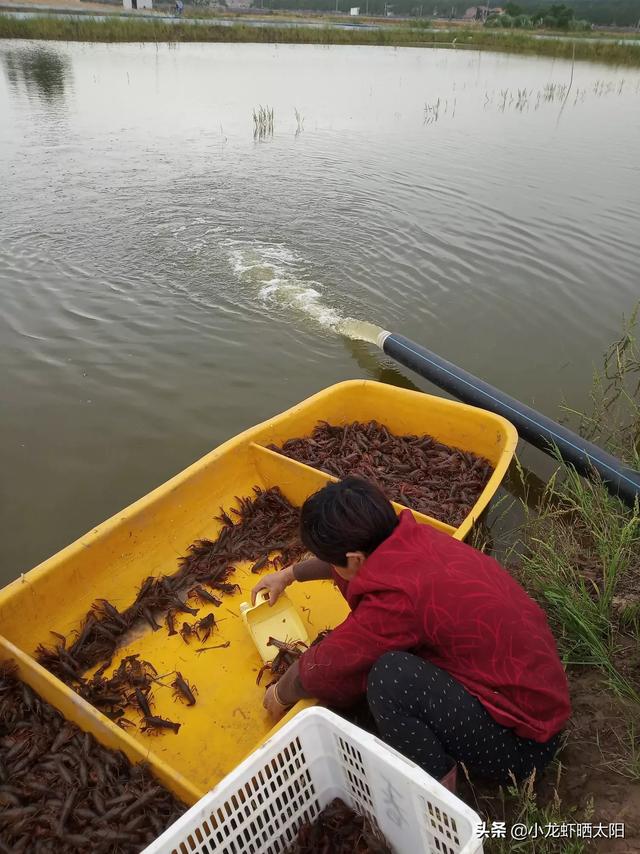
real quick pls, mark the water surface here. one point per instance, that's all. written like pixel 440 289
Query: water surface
pixel 167 279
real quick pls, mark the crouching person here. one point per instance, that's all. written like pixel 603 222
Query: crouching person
pixel 457 662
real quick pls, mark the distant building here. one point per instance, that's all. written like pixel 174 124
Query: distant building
pixel 137 4
pixel 355 10
pixel 481 13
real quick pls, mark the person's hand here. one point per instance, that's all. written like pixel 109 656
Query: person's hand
pixel 274 584
pixel 273 705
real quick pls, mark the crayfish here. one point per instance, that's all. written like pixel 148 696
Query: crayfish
pixel 152 723
pixel 183 689
pixel 206 625
pixel 186 632
pixel 202 595
pixel 287 654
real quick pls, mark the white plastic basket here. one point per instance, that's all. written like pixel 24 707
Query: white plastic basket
pixel 316 757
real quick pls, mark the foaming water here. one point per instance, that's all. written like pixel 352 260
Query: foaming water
pixel 279 277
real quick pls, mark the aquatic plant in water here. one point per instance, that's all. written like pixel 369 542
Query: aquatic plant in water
pixel 262 123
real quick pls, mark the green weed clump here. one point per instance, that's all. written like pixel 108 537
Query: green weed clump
pixel 575 547
pixel 614 420
pixel 581 553
pixel 580 549
pixel 519 804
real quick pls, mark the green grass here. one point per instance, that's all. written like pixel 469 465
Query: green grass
pixel 578 549
pixel 614 420
pixel 119 29
pixel 626 761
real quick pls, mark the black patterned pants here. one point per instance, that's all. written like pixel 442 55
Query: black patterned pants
pixel 429 717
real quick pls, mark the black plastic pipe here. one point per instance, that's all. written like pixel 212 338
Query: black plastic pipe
pixel 542 432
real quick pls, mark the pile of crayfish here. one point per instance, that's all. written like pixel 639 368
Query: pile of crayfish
pixel 339 830
pixel 265 532
pixel 416 471
pixel 61 791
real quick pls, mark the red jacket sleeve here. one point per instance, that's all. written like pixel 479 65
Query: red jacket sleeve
pixel 335 670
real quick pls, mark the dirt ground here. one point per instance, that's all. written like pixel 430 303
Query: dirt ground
pixel 594 784
pixel 594 761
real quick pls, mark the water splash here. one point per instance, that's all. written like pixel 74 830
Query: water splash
pixel 280 277
pixel 359 330
pixel 278 274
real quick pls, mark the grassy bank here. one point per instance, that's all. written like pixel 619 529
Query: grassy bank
pixel 132 30
pixel 576 550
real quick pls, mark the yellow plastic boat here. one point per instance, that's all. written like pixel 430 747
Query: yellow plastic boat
pixel 112 560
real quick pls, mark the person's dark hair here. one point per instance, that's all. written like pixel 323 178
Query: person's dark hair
pixel 352 515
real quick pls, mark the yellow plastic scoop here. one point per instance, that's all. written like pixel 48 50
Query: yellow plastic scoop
pixel 280 621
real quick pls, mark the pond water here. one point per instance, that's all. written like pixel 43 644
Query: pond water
pixel 168 277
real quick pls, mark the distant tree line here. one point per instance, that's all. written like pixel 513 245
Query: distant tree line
pixel 623 13
pixel 557 16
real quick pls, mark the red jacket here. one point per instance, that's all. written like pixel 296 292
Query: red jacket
pixel 423 591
